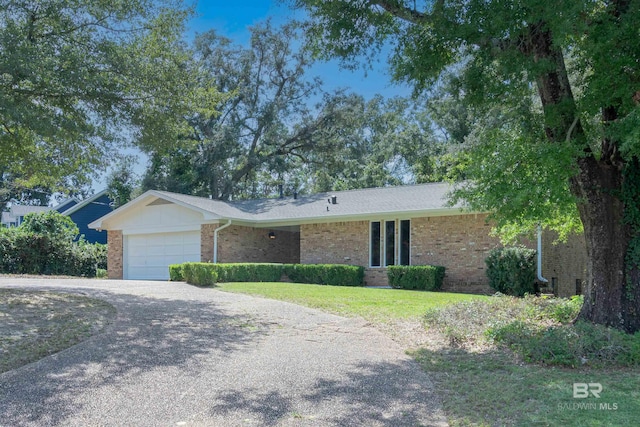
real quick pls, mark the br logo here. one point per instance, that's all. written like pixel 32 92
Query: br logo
pixel 583 390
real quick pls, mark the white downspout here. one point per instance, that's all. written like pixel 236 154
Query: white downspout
pixel 215 241
pixel 540 278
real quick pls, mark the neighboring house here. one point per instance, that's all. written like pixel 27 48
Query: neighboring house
pixel 80 212
pixel 66 204
pixel 88 211
pixel 16 213
pixel 374 228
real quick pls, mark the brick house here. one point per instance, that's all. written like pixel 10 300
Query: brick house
pixel 373 228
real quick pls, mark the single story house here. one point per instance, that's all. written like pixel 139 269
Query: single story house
pixel 373 228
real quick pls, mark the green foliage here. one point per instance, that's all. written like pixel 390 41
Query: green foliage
pixel 419 277
pixel 322 274
pixel 511 271
pixel 50 223
pixel 76 73
pixel 249 272
pixel 325 274
pixel 175 273
pixel 199 273
pixel 44 244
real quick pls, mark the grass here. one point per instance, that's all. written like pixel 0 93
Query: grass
pixel 35 324
pixel 375 305
pixel 479 374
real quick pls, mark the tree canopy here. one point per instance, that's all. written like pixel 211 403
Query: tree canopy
pixel 78 79
pixel 557 83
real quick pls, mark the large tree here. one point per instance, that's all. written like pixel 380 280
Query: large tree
pixel 278 127
pixel 581 61
pixel 79 78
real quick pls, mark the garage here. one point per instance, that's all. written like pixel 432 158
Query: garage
pixel 148 256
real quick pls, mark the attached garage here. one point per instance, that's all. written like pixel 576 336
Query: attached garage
pixel 148 256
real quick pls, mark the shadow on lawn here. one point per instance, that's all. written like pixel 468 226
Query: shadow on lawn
pixel 141 339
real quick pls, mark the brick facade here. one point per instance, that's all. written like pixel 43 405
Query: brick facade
pixel 459 242
pixel 247 244
pixel 206 241
pixel 564 263
pixel 114 254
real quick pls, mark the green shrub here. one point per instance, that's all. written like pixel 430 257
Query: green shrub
pixel 175 273
pixel 325 274
pixel 44 244
pixel 420 277
pixel 511 271
pixel 200 273
pixel 249 272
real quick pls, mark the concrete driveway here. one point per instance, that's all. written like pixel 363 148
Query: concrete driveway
pixel 180 355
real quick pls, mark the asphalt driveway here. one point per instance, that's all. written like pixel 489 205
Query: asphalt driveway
pixel 182 355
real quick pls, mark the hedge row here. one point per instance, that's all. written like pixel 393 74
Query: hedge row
pixel 44 244
pixel 420 277
pixel 321 274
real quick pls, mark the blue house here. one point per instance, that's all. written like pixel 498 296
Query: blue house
pixel 66 204
pixel 87 211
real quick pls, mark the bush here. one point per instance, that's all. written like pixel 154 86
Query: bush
pixel 43 244
pixel 420 277
pixel 325 274
pixel 175 273
pixel 511 271
pixel 249 272
pixel 200 273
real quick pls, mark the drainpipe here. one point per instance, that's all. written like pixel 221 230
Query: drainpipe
pixel 215 241
pixel 540 278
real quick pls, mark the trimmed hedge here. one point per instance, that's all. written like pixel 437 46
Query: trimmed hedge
pixel 419 277
pixel 249 272
pixel 175 273
pixel 199 273
pixel 325 274
pixel 321 274
pixel 512 271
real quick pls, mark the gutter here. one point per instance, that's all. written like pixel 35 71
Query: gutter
pixel 540 278
pixel 215 241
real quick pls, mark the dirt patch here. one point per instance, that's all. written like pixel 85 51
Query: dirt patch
pixel 35 324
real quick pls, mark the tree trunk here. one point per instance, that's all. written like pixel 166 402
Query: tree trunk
pixel 611 298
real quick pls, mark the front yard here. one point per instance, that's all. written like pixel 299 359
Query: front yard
pixel 481 384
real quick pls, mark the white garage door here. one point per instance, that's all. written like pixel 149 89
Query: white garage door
pixel 148 256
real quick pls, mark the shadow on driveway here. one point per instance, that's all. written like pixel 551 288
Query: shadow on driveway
pixel 147 335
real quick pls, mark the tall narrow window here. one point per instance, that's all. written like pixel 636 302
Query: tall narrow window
pixel 389 243
pixel 405 242
pixel 375 244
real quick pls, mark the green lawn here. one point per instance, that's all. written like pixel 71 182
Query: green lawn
pixel 478 388
pixel 376 305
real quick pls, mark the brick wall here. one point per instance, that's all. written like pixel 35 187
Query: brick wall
pixel 206 241
pixel 458 242
pixel 566 262
pixel 114 254
pixel 247 244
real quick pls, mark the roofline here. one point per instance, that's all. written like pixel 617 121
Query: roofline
pixel 97 224
pixel 83 203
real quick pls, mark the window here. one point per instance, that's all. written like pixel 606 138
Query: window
pixel 396 249
pixel 389 243
pixel 375 244
pixel 405 242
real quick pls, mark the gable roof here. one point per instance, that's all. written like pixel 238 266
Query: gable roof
pixel 410 200
pixel 84 203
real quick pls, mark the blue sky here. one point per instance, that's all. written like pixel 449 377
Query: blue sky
pixel 233 18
